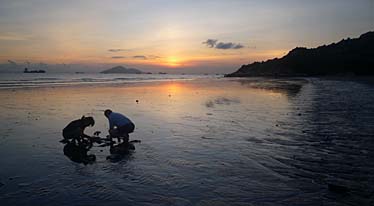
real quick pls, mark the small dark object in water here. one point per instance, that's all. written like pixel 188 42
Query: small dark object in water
pixel 1 184
pixel 137 101
pixel 338 188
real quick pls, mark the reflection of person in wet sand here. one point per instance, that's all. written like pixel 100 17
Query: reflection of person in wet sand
pixel 119 126
pixel 77 152
pixel 75 130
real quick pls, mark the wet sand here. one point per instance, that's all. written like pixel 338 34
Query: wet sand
pixel 204 142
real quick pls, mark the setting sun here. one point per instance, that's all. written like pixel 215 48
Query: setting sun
pixel 173 62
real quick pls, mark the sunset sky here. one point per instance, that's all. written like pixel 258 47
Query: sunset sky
pixel 193 36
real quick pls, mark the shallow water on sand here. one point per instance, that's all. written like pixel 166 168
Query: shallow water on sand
pixel 204 142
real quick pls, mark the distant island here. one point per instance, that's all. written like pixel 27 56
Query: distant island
pixel 121 70
pixel 33 71
pixel 347 57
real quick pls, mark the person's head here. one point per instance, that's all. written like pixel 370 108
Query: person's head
pixel 107 112
pixel 88 121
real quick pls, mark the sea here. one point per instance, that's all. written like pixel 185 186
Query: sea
pixel 205 140
pixel 27 80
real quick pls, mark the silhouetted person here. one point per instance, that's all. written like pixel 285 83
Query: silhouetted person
pixel 75 130
pixel 119 125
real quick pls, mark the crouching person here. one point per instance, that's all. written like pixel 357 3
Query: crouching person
pixel 74 131
pixel 119 125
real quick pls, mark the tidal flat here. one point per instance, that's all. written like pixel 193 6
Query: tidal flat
pixel 208 141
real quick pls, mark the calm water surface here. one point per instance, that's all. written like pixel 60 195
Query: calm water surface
pixel 204 142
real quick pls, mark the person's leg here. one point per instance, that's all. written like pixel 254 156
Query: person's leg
pixel 125 130
pixel 114 133
pixel 129 129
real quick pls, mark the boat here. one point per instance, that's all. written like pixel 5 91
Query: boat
pixel 33 71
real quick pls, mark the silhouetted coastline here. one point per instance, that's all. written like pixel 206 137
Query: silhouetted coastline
pixel 122 70
pixel 348 57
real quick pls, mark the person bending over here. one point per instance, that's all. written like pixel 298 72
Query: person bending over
pixel 119 125
pixel 75 129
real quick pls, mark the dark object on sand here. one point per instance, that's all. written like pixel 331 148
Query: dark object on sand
pixel 338 188
pixel 33 71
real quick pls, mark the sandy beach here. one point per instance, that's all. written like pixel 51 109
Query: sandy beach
pixel 209 141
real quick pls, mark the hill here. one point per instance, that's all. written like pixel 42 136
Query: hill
pixel 121 70
pixel 349 56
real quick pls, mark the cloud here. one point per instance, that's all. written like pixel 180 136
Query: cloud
pixel 118 57
pixel 229 45
pixel 143 57
pixel 116 50
pixel 210 42
pixel 238 46
pixel 153 57
pixel 12 62
pixel 213 43
pixel 140 57
pixel 13 37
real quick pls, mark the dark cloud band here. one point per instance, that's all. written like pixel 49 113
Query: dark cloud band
pixel 213 43
pixel 116 50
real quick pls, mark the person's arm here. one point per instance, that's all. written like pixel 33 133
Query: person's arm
pixel 111 125
pixel 83 135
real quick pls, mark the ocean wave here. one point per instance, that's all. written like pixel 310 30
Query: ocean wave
pixel 22 81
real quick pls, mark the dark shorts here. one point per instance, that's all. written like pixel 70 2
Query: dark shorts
pixel 124 130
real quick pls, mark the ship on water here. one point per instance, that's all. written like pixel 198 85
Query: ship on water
pixel 33 71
